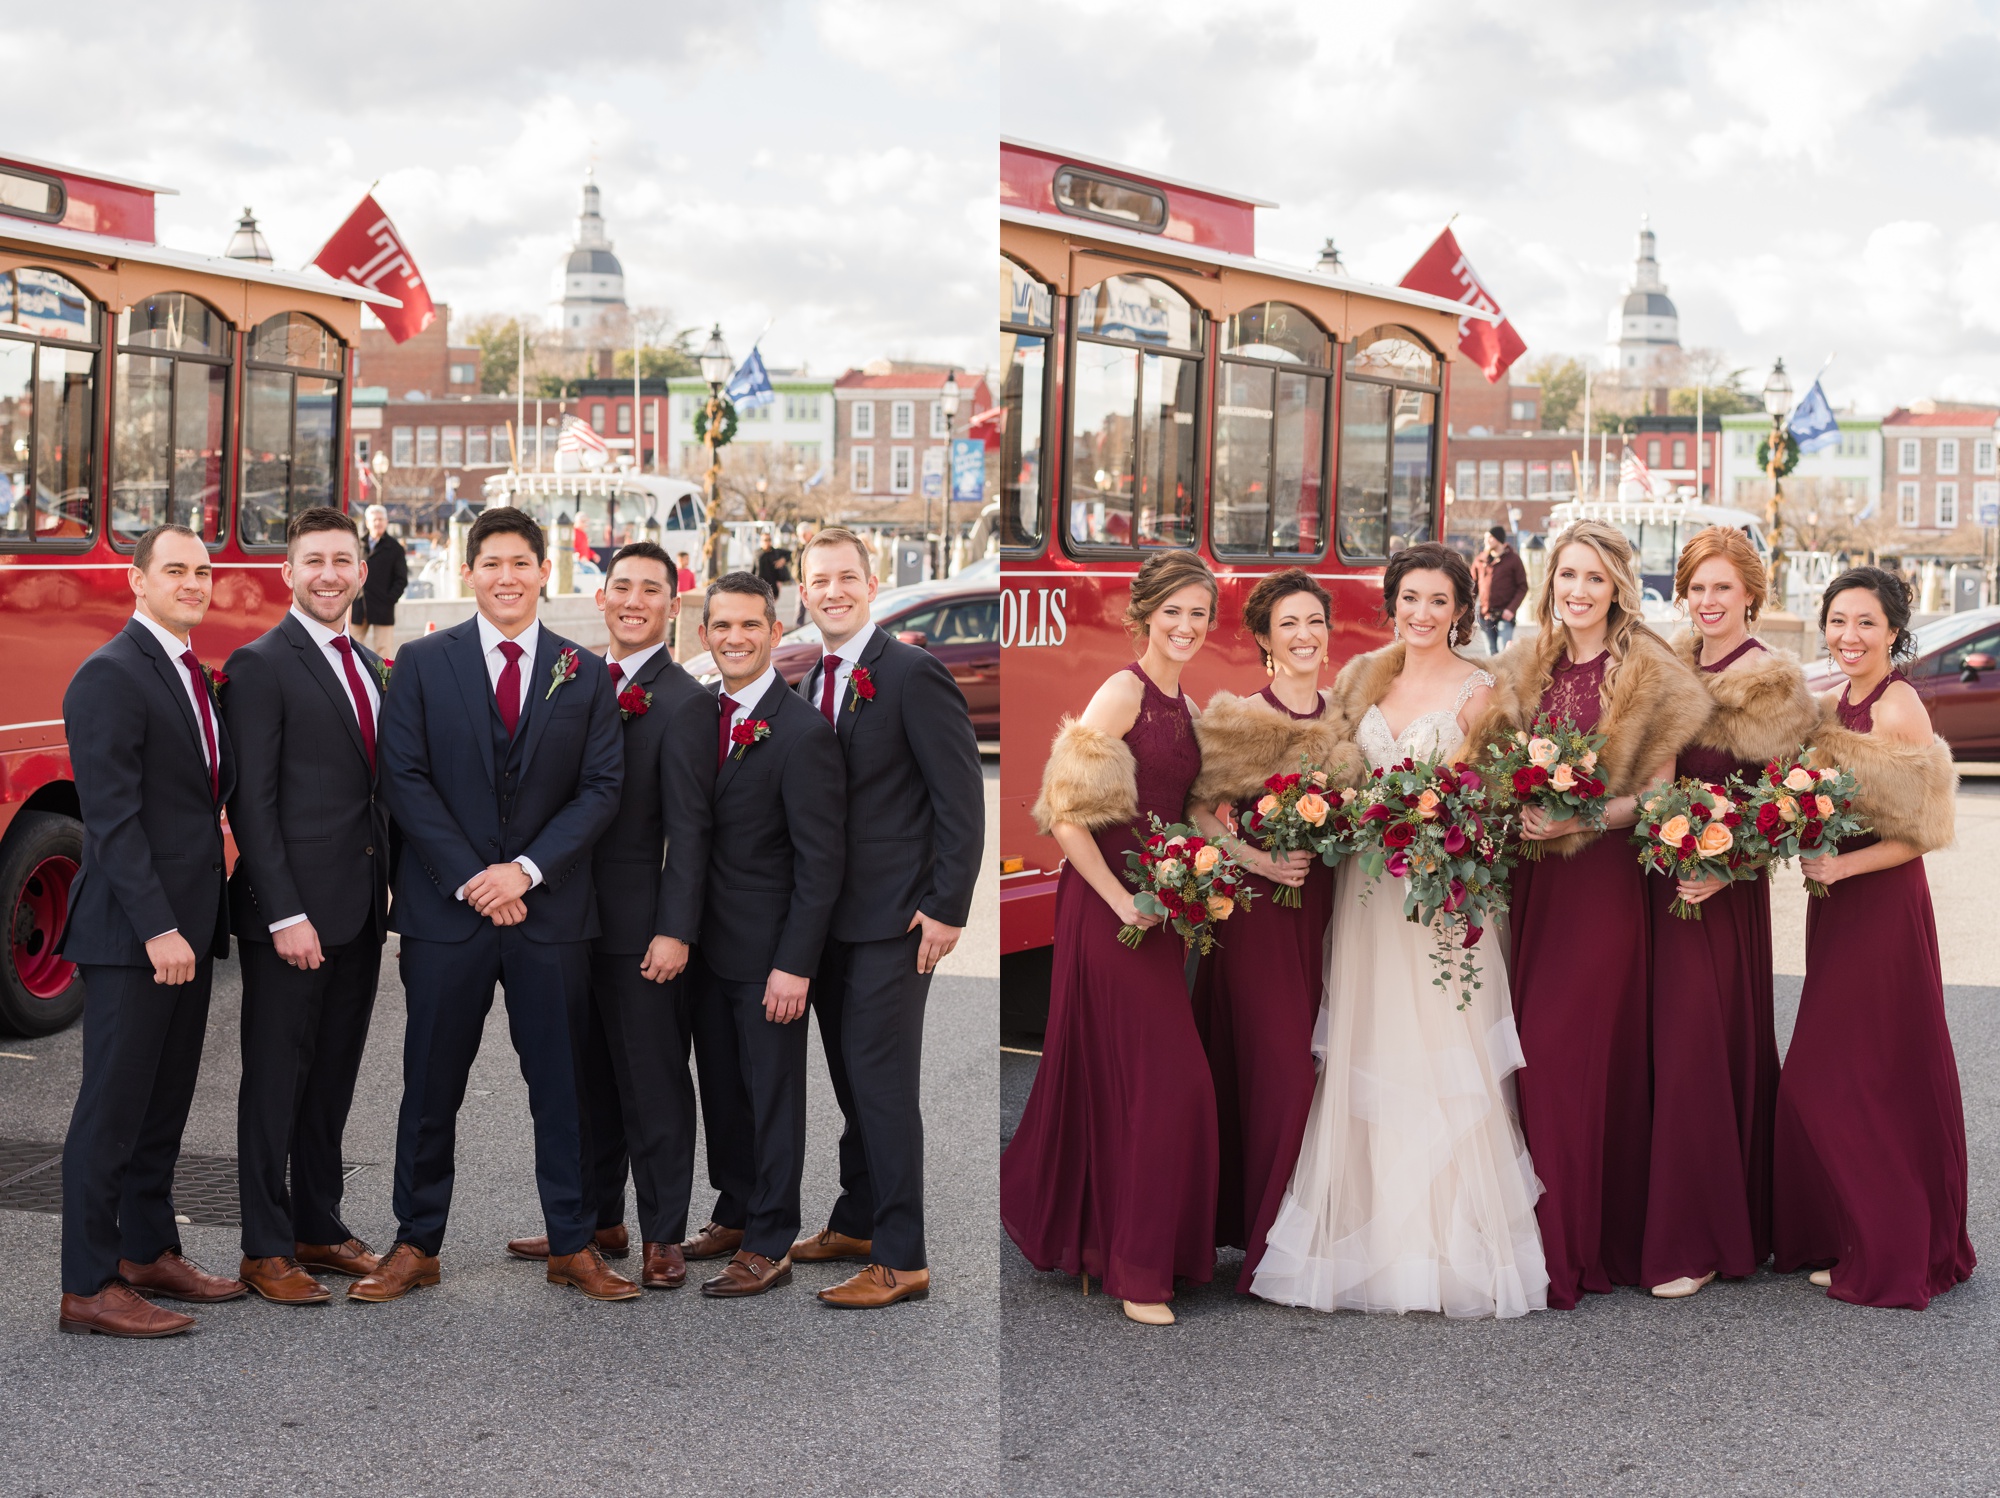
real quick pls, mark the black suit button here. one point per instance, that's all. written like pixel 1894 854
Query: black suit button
pixel 369 851
pixel 216 867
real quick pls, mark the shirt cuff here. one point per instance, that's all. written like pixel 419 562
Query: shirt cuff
pixel 290 920
pixel 170 931
pixel 534 874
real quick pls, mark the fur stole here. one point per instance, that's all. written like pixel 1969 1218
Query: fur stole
pixel 1763 709
pixel 1656 708
pixel 1091 780
pixel 1244 741
pixel 1906 791
pixel 1365 680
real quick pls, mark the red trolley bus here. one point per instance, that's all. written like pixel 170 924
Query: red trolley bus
pixel 138 384
pixel 1163 387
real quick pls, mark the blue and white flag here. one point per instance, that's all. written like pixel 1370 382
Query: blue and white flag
pixel 750 386
pixel 1812 422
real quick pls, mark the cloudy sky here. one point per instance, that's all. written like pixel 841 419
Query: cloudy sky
pixel 1822 177
pixel 824 163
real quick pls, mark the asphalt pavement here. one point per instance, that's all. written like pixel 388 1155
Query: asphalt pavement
pixel 497 1383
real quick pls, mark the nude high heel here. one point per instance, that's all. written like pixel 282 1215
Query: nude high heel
pixel 1148 1315
pixel 1683 1287
pixel 1821 1277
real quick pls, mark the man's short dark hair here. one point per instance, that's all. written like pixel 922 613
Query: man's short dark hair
pixel 142 554
pixel 743 582
pixel 647 551
pixel 320 518
pixel 505 520
pixel 1499 533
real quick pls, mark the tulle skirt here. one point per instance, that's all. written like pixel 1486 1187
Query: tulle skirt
pixel 1413 1189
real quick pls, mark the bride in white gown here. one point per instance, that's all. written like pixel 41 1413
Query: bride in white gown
pixel 1413 1189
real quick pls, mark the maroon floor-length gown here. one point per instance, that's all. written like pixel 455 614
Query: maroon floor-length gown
pixel 1715 1066
pixel 1870 1172
pixel 1263 985
pixel 1112 1170
pixel 1581 954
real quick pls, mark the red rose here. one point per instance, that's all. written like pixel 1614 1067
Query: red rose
pixel 1398 835
pixel 1689 846
pixel 864 684
pixel 1524 781
pixel 1732 819
pixel 634 700
pixel 1275 784
pixel 1700 812
pixel 1539 773
pixel 1768 819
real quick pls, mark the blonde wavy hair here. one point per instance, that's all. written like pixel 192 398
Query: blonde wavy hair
pixel 1625 618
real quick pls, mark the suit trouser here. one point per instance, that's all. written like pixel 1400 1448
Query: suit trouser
pixel 303 1035
pixel 753 1108
pixel 141 1054
pixel 870 1000
pixel 639 1096
pixel 449 987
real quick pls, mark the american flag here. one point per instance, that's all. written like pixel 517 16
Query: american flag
pixel 1632 471
pixel 577 437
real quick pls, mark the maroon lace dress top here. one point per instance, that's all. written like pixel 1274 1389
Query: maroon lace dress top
pixel 1870 1159
pixel 1258 998
pixel 1715 1065
pixel 1582 958
pixel 1111 1171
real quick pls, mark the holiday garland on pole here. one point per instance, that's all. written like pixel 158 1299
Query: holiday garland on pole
pixel 727 432
pixel 1786 464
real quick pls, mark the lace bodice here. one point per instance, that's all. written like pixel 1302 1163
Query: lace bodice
pixel 1428 735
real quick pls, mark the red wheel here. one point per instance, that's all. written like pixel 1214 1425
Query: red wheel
pixel 40 991
pixel 39 915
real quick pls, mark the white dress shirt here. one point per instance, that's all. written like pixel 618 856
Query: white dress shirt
pixel 634 663
pixel 489 642
pixel 746 702
pixel 848 655
pixel 175 649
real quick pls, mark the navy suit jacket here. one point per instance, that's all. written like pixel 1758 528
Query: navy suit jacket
pixel 152 829
pixel 460 805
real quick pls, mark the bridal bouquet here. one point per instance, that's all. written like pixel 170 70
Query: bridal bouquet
pixel 1691 829
pixel 1187 881
pixel 1799 811
pixel 1553 766
pixel 1429 826
pixel 1297 815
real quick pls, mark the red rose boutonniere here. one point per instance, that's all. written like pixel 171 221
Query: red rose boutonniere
pixel 382 670
pixel 633 701
pixel 749 731
pixel 563 670
pixel 862 688
pixel 217 679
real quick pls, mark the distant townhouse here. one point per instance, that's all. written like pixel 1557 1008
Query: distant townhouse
pixel 1939 474
pixel 891 428
pixel 1842 479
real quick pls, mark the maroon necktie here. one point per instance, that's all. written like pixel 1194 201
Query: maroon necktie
pixel 507 695
pixel 617 675
pixel 362 714
pixel 728 706
pixel 193 664
pixel 829 674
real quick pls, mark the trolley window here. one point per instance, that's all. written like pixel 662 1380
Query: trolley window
pixel 1027 324
pixel 48 405
pixel 1271 423
pixel 1388 444
pixel 1134 396
pixel 291 420
pixel 1110 200
pixel 169 418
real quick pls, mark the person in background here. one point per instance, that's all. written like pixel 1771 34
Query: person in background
pixel 1503 587
pixel 807 530
pixel 686 581
pixel 374 616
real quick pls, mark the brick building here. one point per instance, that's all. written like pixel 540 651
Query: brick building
pixel 890 428
pixel 429 365
pixel 1939 471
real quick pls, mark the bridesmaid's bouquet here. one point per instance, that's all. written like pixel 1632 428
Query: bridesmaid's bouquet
pixel 1297 815
pixel 1430 826
pixel 1187 881
pixel 1692 829
pixel 1553 766
pixel 1797 810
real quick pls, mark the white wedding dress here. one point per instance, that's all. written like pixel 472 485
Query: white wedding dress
pixel 1413 1189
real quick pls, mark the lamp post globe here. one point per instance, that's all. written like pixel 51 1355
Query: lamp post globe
pixel 716 365
pixel 1777 391
pixel 948 397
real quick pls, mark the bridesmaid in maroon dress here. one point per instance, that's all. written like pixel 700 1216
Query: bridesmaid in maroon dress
pixel 1581 954
pixel 1715 1046
pixel 1112 1170
pixel 1263 982
pixel 1870 1167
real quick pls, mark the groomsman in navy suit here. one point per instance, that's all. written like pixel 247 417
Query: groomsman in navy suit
pixel 501 760
pixel 779 807
pixel 148 917
pixel 309 903
pixel 916 820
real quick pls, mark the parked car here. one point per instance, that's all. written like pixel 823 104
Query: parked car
pixel 1957 673
pixel 956 619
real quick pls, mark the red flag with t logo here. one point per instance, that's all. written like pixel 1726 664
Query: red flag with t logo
pixel 368 251
pixel 1444 271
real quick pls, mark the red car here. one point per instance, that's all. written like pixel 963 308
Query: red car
pixel 1957 673
pixel 956 619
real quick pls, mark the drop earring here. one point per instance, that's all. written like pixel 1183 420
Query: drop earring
pixel 1269 668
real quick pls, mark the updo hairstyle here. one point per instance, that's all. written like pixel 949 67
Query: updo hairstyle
pixel 1731 544
pixel 1162 575
pixel 1271 590
pixel 1891 591
pixel 1431 556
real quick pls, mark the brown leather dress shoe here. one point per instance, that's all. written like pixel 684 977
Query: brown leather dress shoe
pixel 714 1241
pixel 172 1277
pixel 748 1273
pixel 612 1242
pixel 587 1270
pixel 666 1267
pixel 280 1279
pixel 117 1311
pixel 401 1272
pixel 351 1258
pixel 825 1247
pixel 876 1287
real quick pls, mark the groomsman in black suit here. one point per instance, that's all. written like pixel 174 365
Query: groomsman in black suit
pixel 309 902
pixel 501 762
pixel 148 916
pixel 780 802
pixel 916 820
pixel 633 1036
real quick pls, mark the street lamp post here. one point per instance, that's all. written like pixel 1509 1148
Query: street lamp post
pixel 716 367
pixel 1777 402
pixel 948 403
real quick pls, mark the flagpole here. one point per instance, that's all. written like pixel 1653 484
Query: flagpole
pixel 638 416
pixel 1699 387
pixel 520 394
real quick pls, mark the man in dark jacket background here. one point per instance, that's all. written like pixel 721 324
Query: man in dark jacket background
pixel 374 618
pixel 1503 588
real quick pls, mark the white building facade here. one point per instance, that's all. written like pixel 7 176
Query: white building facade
pixel 590 283
pixel 792 436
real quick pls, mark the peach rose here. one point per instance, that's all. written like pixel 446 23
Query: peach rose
pixel 1207 859
pixel 1588 761
pixel 1318 778
pixel 1799 780
pixel 1673 830
pixel 1268 805
pixel 1562 777
pixel 1825 806
pixel 1220 907
pixel 1543 752
pixel 1313 808
pixel 1168 871
pixel 1427 804
pixel 1715 839
pixel 1788 808
pixel 1349 796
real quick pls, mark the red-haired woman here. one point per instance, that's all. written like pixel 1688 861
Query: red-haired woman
pixel 1715 1047
pixel 1111 1171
